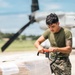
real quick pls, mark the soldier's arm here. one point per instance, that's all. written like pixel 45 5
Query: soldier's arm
pixel 38 42
pixel 68 42
pixel 66 49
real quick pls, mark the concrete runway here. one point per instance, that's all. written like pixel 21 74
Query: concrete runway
pixel 11 56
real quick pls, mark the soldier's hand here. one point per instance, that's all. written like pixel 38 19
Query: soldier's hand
pixel 40 49
pixel 53 49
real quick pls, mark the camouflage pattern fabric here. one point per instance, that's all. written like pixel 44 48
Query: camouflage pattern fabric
pixel 61 67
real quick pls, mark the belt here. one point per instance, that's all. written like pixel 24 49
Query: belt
pixel 62 58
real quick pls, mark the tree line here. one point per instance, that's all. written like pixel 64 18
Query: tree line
pixel 20 37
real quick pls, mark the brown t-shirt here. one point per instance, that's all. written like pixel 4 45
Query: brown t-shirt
pixel 58 39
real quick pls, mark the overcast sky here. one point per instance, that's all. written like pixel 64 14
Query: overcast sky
pixel 14 13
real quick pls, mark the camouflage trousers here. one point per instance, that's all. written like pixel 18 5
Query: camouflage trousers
pixel 61 67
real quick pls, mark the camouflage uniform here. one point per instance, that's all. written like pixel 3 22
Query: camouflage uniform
pixel 62 65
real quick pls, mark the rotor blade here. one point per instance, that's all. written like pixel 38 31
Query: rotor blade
pixel 34 6
pixel 14 37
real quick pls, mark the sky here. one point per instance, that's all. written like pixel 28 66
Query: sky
pixel 14 14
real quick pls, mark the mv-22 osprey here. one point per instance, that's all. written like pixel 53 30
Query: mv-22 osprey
pixel 66 20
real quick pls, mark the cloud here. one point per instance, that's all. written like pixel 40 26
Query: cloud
pixel 4 4
pixel 12 22
pixel 53 6
pixel 48 5
pixel 9 30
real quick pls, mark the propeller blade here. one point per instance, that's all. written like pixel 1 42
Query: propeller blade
pixel 34 6
pixel 14 36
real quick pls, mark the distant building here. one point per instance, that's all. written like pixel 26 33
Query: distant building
pixel 5 39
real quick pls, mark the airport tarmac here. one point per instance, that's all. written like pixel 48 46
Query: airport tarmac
pixel 11 56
